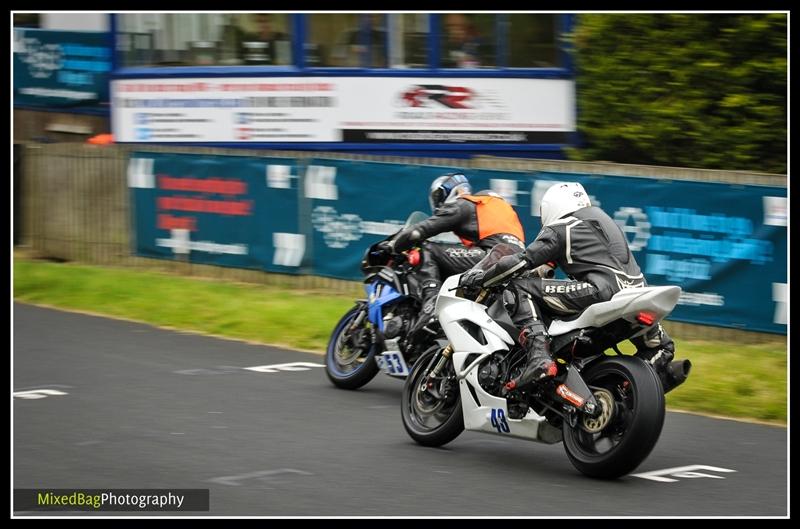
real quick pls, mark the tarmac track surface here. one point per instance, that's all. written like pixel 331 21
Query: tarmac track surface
pixel 149 408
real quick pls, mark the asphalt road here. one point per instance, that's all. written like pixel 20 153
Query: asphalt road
pixel 133 406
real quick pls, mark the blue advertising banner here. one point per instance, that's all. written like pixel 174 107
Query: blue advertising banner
pixel 724 245
pixel 355 204
pixel 221 210
pixel 61 69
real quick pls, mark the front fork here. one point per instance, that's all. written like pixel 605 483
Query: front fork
pixel 352 337
pixel 428 381
pixel 359 319
pixel 443 358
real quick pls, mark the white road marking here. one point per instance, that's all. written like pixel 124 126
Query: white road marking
pixel 37 393
pixel 687 472
pixel 292 366
pixel 261 475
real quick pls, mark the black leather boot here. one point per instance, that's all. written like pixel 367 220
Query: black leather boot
pixel 540 363
pixel 657 357
pixel 430 290
pixel 657 349
pixel 671 373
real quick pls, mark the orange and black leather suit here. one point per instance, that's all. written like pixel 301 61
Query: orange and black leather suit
pixel 481 221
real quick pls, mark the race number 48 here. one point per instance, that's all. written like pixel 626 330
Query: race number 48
pixel 499 421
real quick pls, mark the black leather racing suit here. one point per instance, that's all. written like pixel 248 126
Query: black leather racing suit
pixel 593 251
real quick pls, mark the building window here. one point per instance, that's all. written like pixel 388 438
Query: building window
pixel 346 40
pixel 409 40
pixel 266 41
pixel 533 41
pixel 331 40
pixel 204 39
pixel 339 40
pixel 468 41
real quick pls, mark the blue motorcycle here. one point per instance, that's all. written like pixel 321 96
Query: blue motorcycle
pixel 373 335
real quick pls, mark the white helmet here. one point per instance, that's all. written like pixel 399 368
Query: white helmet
pixel 447 188
pixel 561 199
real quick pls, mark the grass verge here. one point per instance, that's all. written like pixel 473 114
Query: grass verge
pixel 727 379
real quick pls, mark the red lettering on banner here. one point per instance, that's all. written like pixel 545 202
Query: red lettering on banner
pixel 161 87
pixel 168 222
pixel 220 186
pixel 277 87
pixel 221 207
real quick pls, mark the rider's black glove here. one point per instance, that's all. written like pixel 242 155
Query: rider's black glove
pixel 472 278
pixel 386 247
pixel 506 268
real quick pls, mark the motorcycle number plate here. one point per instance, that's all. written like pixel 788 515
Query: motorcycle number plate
pixel 392 363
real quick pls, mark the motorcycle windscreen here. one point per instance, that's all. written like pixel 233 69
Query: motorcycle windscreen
pixel 414 217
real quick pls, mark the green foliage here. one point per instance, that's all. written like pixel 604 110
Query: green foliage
pixel 689 90
pixel 264 314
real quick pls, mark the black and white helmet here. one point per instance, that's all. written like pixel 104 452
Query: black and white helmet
pixel 447 188
pixel 561 199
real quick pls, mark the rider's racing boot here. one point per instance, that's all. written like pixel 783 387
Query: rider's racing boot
pixel 540 364
pixel 657 349
pixel 430 290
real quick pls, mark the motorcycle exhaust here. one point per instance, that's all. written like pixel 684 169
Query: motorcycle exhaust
pixel 676 374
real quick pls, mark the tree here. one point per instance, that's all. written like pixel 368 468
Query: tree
pixel 691 90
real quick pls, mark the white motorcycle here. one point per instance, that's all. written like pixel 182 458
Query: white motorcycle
pixel 608 410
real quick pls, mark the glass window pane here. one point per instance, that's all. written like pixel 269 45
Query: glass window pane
pixel 533 41
pixel 409 40
pixel 203 39
pixel 136 38
pixel 468 41
pixel 266 40
pixel 372 39
pixel 330 40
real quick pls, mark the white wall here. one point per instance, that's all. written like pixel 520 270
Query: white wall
pixel 76 21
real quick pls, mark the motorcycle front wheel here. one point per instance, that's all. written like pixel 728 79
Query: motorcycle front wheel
pixel 629 425
pixel 350 357
pixel 431 406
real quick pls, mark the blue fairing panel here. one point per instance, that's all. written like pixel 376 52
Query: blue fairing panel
pixel 376 303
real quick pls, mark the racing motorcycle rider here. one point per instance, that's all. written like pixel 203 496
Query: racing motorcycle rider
pixel 480 220
pixel 593 251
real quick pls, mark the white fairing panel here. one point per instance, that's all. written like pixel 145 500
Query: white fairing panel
pixel 626 304
pixel 451 309
pixel 496 337
pixel 490 413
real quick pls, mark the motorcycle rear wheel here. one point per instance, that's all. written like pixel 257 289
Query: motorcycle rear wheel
pixel 432 413
pixel 632 430
pixel 350 358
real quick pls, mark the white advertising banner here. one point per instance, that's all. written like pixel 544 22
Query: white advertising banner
pixel 349 109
